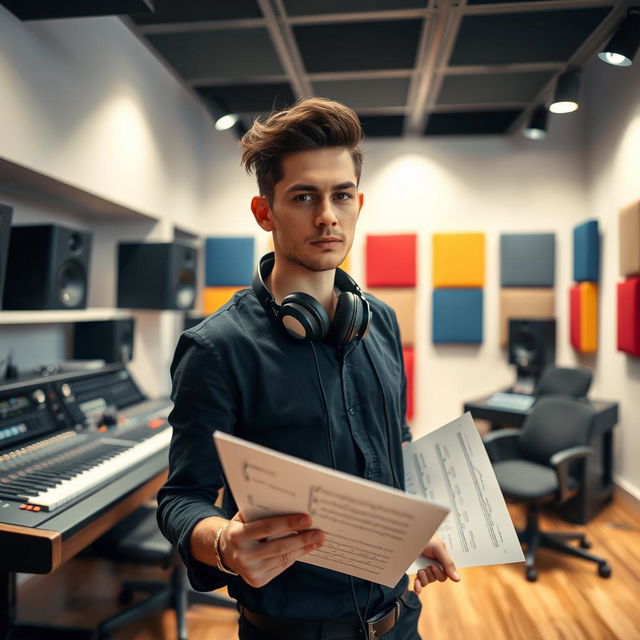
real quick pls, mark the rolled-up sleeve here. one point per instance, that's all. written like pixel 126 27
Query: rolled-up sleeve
pixel 203 403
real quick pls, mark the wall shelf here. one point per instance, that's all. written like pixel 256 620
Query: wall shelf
pixel 58 316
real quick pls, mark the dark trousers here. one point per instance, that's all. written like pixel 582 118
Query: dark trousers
pixel 405 629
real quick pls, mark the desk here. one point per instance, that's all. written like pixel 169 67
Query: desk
pixel 599 488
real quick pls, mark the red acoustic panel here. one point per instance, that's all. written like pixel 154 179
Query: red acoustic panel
pixel 629 316
pixel 408 355
pixel 391 260
pixel 574 312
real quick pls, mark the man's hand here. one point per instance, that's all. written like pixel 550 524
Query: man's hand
pixel 437 550
pixel 247 548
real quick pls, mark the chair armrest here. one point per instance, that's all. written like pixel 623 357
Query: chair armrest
pixel 561 461
pixel 503 444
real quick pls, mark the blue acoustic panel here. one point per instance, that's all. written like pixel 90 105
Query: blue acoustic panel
pixel 457 315
pixel 527 259
pixel 586 252
pixel 229 262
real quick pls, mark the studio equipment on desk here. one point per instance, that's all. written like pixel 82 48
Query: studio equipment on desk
pixel 47 268
pixel 532 346
pixel 78 452
pixel 108 340
pixel 156 275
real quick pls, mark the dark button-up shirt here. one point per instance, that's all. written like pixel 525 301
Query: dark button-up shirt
pixel 239 372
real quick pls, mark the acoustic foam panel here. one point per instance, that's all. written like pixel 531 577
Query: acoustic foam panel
pixel 403 302
pixel 458 260
pixel 586 252
pixel 629 316
pixel 583 307
pixel 214 297
pixel 533 303
pixel 457 315
pixel 408 356
pixel 228 262
pixel 391 260
pixel 629 230
pixel 527 260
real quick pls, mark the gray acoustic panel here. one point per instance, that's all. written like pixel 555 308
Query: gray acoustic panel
pixel 167 11
pixel 492 87
pixel 358 46
pixel 527 259
pixel 245 98
pixel 358 94
pixel 234 54
pixel 470 123
pixel 382 126
pixel 313 7
pixel 548 36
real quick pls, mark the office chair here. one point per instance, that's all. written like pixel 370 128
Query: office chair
pixel 138 539
pixel 566 381
pixel 541 463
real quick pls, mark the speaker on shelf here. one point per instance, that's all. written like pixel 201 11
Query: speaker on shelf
pixel 47 268
pixel 108 340
pixel 158 275
pixel 532 343
pixel 5 231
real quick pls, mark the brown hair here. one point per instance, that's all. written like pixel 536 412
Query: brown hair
pixel 311 123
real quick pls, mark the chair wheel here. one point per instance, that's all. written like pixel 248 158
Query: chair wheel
pixel 604 570
pixel 585 544
pixel 532 574
pixel 125 596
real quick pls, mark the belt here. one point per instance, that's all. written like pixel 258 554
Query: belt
pixel 303 629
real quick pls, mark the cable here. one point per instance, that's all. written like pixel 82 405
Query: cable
pixel 335 466
pixel 387 420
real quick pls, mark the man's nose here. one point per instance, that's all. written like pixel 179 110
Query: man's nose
pixel 325 215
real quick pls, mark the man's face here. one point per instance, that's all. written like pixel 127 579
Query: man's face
pixel 315 208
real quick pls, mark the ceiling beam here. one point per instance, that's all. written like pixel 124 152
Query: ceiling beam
pixel 588 48
pixel 202 25
pixel 360 16
pixel 533 6
pixel 213 81
pixel 486 69
pixel 477 106
pixel 285 45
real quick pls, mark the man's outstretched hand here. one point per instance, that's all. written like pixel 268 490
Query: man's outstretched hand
pixel 437 550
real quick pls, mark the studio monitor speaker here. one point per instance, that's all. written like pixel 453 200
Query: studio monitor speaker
pixel 47 268
pixel 159 275
pixel 5 231
pixel 532 343
pixel 108 340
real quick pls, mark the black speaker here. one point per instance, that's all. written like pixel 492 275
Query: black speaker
pixel 532 343
pixel 47 268
pixel 159 275
pixel 5 231
pixel 108 340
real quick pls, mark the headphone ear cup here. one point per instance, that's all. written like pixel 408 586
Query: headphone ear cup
pixel 304 318
pixel 347 318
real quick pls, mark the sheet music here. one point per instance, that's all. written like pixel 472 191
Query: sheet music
pixel 450 466
pixel 371 531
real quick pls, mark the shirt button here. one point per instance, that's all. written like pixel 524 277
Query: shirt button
pixel 351 411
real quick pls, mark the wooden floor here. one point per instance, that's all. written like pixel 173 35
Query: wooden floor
pixel 569 601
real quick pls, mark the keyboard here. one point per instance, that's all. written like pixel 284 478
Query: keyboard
pixel 513 401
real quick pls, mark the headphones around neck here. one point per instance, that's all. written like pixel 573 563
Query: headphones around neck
pixel 304 318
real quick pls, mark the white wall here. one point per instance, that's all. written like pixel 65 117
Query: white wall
pixel 613 169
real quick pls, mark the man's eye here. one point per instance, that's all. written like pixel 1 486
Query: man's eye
pixel 303 197
pixel 343 196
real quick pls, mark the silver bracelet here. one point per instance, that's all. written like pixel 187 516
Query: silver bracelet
pixel 217 550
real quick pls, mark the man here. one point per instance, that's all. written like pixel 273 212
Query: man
pixel 285 364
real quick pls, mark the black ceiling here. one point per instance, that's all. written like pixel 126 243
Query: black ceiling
pixel 408 67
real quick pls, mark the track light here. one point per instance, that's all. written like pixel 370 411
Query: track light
pixel 625 41
pixel 537 127
pixel 226 121
pixel 565 99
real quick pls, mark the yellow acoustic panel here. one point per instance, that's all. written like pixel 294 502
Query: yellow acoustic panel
pixel 458 260
pixel 403 301
pixel 214 297
pixel 346 263
pixel 588 317
pixel 537 303
pixel 629 231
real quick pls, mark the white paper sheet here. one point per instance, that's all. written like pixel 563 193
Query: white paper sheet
pixel 371 531
pixel 450 466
